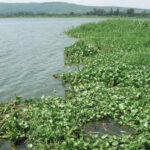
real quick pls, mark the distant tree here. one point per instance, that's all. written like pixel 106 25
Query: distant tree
pixel 122 13
pixel 117 12
pixel 143 14
pixel 111 12
pixel 72 13
pixel 79 14
pixel 100 12
pixel 94 11
pixel 130 12
pixel 88 13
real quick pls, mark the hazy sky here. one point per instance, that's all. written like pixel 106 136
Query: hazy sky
pixel 124 3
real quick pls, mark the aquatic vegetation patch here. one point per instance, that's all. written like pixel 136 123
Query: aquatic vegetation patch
pixel 114 83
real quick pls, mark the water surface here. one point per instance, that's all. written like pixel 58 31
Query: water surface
pixel 108 127
pixel 31 51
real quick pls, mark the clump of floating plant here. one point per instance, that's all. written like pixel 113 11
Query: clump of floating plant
pixel 114 83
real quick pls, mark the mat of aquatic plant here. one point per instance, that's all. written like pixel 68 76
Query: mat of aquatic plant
pixel 114 83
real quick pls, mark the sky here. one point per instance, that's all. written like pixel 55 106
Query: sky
pixel 122 3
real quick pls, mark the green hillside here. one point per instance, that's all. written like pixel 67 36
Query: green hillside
pixel 52 8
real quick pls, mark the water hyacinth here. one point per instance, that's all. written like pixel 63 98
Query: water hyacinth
pixel 114 83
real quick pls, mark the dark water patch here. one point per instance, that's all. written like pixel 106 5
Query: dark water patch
pixel 106 127
pixel 22 146
pixel 6 145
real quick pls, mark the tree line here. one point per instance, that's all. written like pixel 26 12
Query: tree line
pixel 129 13
pixel 95 12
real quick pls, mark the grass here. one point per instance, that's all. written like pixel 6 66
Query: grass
pixel 114 83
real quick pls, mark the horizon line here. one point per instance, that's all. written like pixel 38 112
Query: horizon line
pixel 74 4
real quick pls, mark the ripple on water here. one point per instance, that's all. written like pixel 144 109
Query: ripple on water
pixel 31 51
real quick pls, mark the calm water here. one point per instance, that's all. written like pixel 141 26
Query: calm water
pixel 31 51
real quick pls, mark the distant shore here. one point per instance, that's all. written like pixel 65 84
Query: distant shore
pixel 76 16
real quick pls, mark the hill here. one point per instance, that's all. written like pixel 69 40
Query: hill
pixel 53 8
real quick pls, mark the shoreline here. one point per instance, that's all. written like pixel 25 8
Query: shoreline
pixel 113 17
pixel 114 83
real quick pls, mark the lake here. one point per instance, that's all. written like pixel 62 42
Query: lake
pixel 31 51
